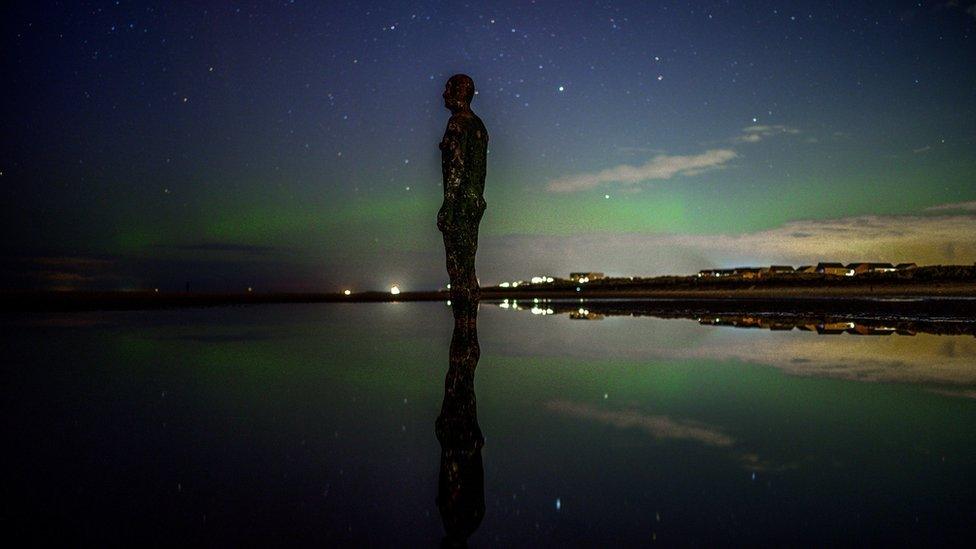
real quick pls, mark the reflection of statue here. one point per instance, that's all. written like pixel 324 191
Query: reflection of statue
pixel 464 152
pixel 461 483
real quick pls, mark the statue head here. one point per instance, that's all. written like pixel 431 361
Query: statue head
pixel 458 93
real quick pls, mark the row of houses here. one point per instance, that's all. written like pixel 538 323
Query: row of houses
pixel 823 328
pixel 583 278
pixel 825 268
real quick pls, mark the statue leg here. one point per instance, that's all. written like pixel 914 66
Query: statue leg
pixel 461 247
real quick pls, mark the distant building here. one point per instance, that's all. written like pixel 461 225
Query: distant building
pixel 834 328
pixel 861 329
pixel 806 269
pixel 746 321
pixel 773 270
pixel 715 273
pixel 582 278
pixel 747 272
pixel 905 266
pixel 717 321
pixel 834 269
pixel 861 268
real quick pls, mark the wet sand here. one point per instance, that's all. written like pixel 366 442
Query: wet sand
pixel 953 299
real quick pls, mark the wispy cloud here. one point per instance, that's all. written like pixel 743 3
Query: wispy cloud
pixel 71 262
pixel 754 134
pixel 660 167
pixel 664 166
pixel 954 5
pixel 666 428
pixel 954 207
pixel 656 426
pixel 223 247
pixel 953 393
pixel 56 272
pixel 645 150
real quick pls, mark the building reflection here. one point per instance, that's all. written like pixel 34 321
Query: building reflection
pixel 461 482
pixel 823 327
pixel 908 318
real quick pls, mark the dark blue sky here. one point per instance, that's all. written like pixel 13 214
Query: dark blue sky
pixel 293 145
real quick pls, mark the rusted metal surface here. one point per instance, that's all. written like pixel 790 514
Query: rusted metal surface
pixel 464 152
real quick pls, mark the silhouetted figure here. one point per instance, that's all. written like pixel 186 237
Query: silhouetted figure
pixel 464 152
pixel 461 483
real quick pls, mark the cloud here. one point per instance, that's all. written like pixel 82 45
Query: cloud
pixel 954 5
pixel 923 358
pixel 755 134
pixel 56 272
pixel 645 150
pixel 660 167
pixel 664 166
pixel 922 149
pixel 223 247
pixel 656 426
pixel 664 427
pixel 943 362
pixel 958 394
pixel 942 235
pixel 954 207
pixel 71 262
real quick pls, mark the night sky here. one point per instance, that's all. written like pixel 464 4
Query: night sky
pixel 293 145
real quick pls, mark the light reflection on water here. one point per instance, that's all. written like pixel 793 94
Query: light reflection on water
pixel 293 423
pixel 856 349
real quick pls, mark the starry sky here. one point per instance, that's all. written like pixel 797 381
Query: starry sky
pixel 292 145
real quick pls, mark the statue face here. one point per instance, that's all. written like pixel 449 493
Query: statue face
pixel 458 92
pixel 451 97
pixel 447 95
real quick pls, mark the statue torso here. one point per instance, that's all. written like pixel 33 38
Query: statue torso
pixel 464 152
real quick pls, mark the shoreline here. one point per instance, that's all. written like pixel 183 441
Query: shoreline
pixel 957 297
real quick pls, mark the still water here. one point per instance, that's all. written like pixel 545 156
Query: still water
pixel 316 424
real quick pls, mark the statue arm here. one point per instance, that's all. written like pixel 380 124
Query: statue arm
pixel 453 167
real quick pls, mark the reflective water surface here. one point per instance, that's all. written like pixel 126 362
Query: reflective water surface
pixel 378 424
